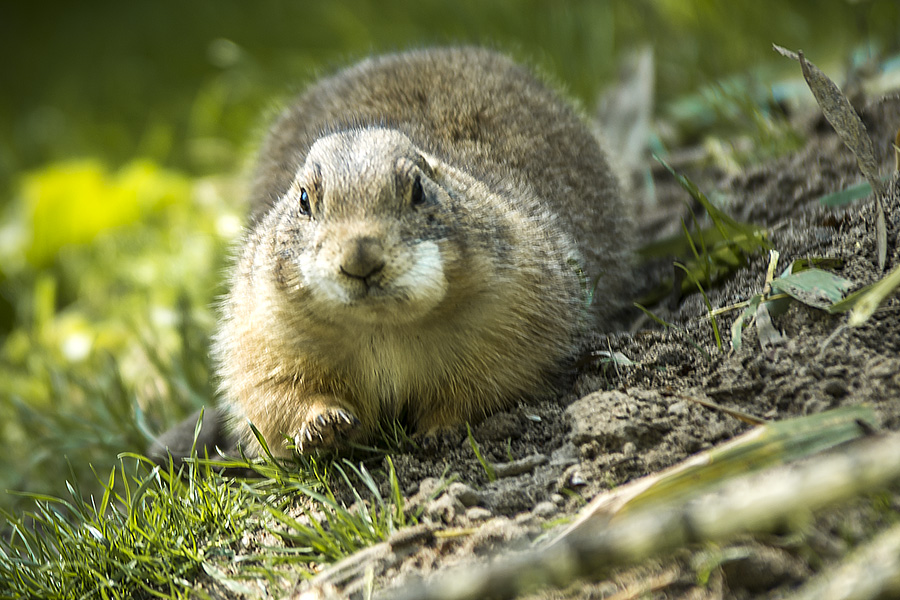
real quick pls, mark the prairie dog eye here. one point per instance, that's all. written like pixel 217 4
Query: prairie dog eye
pixel 304 203
pixel 418 194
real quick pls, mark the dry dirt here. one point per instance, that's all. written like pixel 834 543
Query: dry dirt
pixel 615 425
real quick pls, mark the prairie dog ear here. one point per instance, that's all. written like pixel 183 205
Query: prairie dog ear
pixel 409 166
pixel 429 164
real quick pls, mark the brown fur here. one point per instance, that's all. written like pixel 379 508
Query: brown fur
pixel 456 206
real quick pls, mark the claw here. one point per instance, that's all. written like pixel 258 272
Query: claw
pixel 326 429
pixel 298 441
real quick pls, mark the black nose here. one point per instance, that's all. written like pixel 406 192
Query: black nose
pixel 362 257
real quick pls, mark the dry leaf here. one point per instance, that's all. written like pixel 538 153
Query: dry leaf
pixel 850 128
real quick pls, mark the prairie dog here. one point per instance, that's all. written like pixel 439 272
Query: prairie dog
pixel 424 227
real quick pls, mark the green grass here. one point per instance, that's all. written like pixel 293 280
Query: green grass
pixel 714 250
pixel 337 531
pixel 158 532
pixel 714 253
pixel 489 470
pixel 150 533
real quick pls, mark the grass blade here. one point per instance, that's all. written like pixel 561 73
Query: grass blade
pixel 488 467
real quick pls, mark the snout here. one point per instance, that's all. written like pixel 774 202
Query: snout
pixel 362 257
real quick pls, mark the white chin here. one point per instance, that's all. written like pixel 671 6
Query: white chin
pixel 410 296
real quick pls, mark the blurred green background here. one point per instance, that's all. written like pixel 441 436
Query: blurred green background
pixel 125 128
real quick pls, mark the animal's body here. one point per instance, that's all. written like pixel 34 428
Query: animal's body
pixel 424 227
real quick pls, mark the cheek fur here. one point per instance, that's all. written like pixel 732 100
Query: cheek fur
pixel 424 280
pixel 320 278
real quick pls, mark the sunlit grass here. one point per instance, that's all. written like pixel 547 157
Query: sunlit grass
pixel 159 532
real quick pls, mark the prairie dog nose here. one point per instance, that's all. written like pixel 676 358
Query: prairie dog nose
pixel 362 256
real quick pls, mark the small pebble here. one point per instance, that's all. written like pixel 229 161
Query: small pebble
pixel 883 369
pixel 545 509
pixel 464 493
pixel 523 465
pixel 836 371
pixel 576 481
pixel 678 409
pixel 525 519
pixel 477 513
pixel 428 485
pixel 444 509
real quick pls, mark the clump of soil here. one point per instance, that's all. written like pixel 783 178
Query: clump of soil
pixel 615 424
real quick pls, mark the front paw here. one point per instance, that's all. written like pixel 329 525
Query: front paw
pixel 325 428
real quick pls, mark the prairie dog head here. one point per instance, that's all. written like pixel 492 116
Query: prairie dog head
pixel 367 238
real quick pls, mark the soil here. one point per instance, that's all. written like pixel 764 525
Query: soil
pixel 616 424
